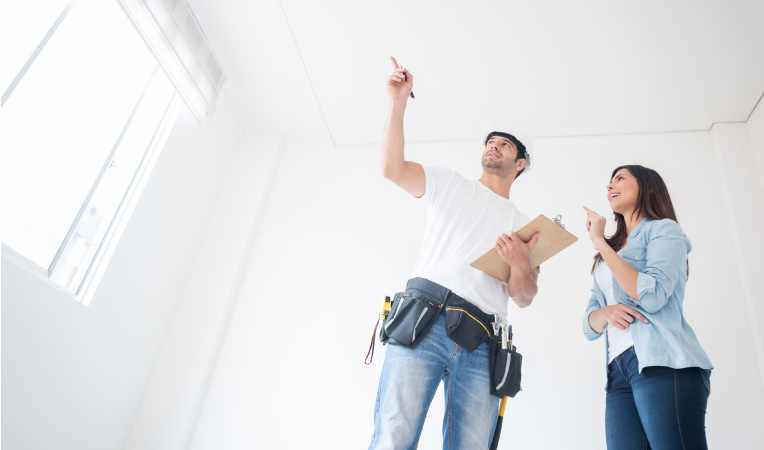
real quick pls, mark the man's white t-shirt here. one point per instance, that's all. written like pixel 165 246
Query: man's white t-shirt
pixel 464 219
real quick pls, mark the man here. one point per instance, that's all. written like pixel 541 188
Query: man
pixel 435 327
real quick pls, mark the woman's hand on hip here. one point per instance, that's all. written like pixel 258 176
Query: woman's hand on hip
pixel 619 316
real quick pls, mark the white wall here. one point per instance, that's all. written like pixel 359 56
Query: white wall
pixel 335 236
pixel 755 126
pixel 175 393
pixel 743 209
pixel 73 376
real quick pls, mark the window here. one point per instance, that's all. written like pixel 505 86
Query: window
pixel 85 111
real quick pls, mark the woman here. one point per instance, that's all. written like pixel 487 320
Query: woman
pixel 657 373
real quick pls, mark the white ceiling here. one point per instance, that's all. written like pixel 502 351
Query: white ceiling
pixel 316 69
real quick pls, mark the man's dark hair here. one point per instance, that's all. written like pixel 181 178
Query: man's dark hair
pixel 520 147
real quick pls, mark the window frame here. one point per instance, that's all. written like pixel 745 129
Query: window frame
pixel 129 198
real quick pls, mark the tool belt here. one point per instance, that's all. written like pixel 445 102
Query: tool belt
pixel 414 312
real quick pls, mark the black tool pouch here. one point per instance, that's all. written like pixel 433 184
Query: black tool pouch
pixel 411 317
pixel 466 324
pixel 505 366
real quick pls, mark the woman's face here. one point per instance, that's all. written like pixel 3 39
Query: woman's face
pixel 622 192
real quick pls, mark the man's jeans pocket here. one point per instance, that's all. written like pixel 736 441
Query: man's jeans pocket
pixel 411 317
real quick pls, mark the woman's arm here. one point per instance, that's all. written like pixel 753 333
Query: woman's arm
pixel 597 317
pixel 619 316
pixel 665 263
pixel 594 305
pixel 665 267
pixel 622 271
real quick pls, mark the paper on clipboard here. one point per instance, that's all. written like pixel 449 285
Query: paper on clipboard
pixel 553 238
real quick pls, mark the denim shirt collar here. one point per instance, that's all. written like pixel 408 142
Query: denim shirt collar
pixel 638 229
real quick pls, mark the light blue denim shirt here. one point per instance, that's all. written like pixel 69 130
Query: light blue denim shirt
pixel 657 249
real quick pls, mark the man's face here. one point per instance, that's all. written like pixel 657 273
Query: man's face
pixel 499 156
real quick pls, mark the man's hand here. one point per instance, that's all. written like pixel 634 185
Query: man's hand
pixel 522 285
pixel 514 251
pixel 400 83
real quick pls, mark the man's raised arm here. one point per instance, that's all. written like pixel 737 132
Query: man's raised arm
pixel 408 175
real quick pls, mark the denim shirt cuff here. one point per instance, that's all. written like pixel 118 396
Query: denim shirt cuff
pixel 588 331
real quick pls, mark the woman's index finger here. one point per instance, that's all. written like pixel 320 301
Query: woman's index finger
pixel 637 315
pixel 395 63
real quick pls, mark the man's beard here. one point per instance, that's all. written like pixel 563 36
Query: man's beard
pixel 489 163
pixel 496 167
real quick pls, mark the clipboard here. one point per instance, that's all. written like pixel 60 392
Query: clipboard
pixel 553 239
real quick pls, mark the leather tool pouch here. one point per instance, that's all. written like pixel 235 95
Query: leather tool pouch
pixel 505 366
pixel 411 317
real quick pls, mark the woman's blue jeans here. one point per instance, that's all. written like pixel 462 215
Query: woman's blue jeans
pixel 659 409
pixel 409 379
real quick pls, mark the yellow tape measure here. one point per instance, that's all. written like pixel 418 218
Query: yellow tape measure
pixel 383 305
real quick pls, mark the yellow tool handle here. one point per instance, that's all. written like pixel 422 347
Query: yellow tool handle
pixel 499 423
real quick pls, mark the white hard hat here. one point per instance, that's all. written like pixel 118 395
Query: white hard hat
pixel 514 129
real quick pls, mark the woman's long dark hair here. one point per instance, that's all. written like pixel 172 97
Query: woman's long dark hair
pixel 653 202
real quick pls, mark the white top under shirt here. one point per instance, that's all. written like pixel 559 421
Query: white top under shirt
pixel 464 218
pixel 617 340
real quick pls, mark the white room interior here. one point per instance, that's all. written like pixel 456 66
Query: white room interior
pixel 238 305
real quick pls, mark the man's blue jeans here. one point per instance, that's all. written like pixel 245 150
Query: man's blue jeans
pixel 408 383
pixel 659 409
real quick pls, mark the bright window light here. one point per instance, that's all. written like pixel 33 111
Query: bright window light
pixel 80 126
pixel 24 24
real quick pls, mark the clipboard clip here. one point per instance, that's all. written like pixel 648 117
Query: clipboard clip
pixel 558 220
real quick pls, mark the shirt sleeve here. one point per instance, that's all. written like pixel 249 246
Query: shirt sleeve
pixel 593 305
pixel 436 181
pixel 665 266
